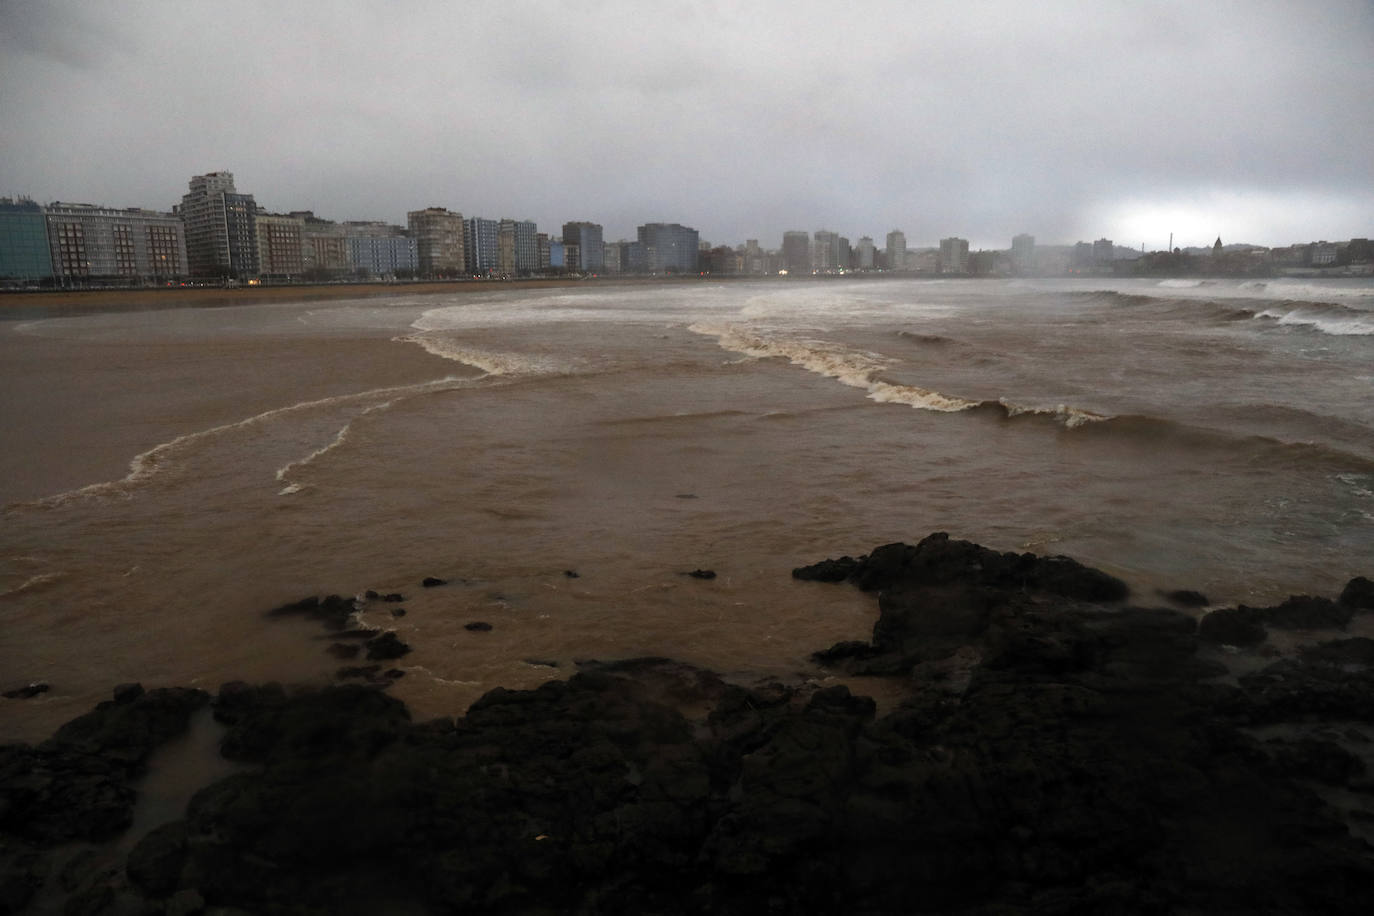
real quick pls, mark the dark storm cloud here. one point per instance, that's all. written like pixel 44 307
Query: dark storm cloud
pixel 1067 120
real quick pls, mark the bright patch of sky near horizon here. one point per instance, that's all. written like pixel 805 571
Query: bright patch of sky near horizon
pixel 1067 120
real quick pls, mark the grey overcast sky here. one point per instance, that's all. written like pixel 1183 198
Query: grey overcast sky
pixel 1250 120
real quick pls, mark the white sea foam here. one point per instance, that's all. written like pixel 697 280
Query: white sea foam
pixel 339 439
pixel 492 362
pixel 1317 292
pixel 1179 284
pixel 855 368
pixel 146 465
pixel 1072 417
pixel 1355 324
pixel 31 583
pixel 860 369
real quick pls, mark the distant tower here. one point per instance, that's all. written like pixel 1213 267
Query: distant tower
pixel 1216 249
pixel 221 231
pixel 438 235
pixel 896 250
pixel 1023 252
pixel 796 252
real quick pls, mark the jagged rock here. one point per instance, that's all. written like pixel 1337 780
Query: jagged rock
pixel 1083 765
pixel 1307 689
pixel 1321 761
pixel 938 560
pixel 1233 626
pixel 386 646
pixel 571 574
pixel 155 864
pixel 333 611
pixel 1358 593
pixel 129 728
pixel 28 691
pixel 477 626
pixel 21 874
pixel 432 582
pixel 1187 598
pixel 701 574
pixel 1304 612
pixel 1358 650
pixel 75 785
pixel 828 570
pixel 393 598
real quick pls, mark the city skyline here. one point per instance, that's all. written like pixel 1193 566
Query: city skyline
pixel 1068 122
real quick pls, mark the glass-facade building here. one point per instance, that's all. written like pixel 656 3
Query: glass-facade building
pixel 670 247
pixel 587 237
pixel 24 253
pixel 480 245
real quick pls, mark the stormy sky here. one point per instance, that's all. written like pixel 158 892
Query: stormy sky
pixel 1249 120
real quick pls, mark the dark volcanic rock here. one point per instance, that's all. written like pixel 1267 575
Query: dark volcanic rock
pixel 155 864
pixel 1233 626
pixel 938 560
pixel 128 729
pixel 1303 612
pixel 828 570
pixel 1356 651
pixel 702 574
pixel 1083 764
pixel 1358 593
pixel 333 611
pixel 76 785
pixel 659 787
pixel 477 626
pixel 1320 761
pixel 28 691
pixel 386 646
pixel 1187 598
pixel 432 582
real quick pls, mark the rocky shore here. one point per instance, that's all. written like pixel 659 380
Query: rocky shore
pixel 1061 750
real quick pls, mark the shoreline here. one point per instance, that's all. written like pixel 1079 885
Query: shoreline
pixel 1060 750
pixel 94 300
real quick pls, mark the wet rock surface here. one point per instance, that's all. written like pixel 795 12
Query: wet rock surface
pixel 1059 752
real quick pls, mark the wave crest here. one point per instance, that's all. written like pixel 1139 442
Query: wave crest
pixel 861 369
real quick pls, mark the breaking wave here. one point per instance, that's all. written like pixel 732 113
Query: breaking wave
pixel 1336 318
pixel 490 362
pixel 1329 318
pixel 862 370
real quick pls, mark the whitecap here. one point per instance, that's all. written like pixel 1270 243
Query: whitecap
pixel 860 369
pixel 491 362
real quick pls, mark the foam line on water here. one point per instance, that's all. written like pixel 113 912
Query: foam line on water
pixel 339 439
pixel 861 369
pixel 492 362
pixel 145 465
pixel 1345 323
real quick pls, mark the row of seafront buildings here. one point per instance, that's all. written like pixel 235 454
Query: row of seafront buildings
pixel 219 235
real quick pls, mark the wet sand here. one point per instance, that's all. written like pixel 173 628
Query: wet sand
pixel 188 296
